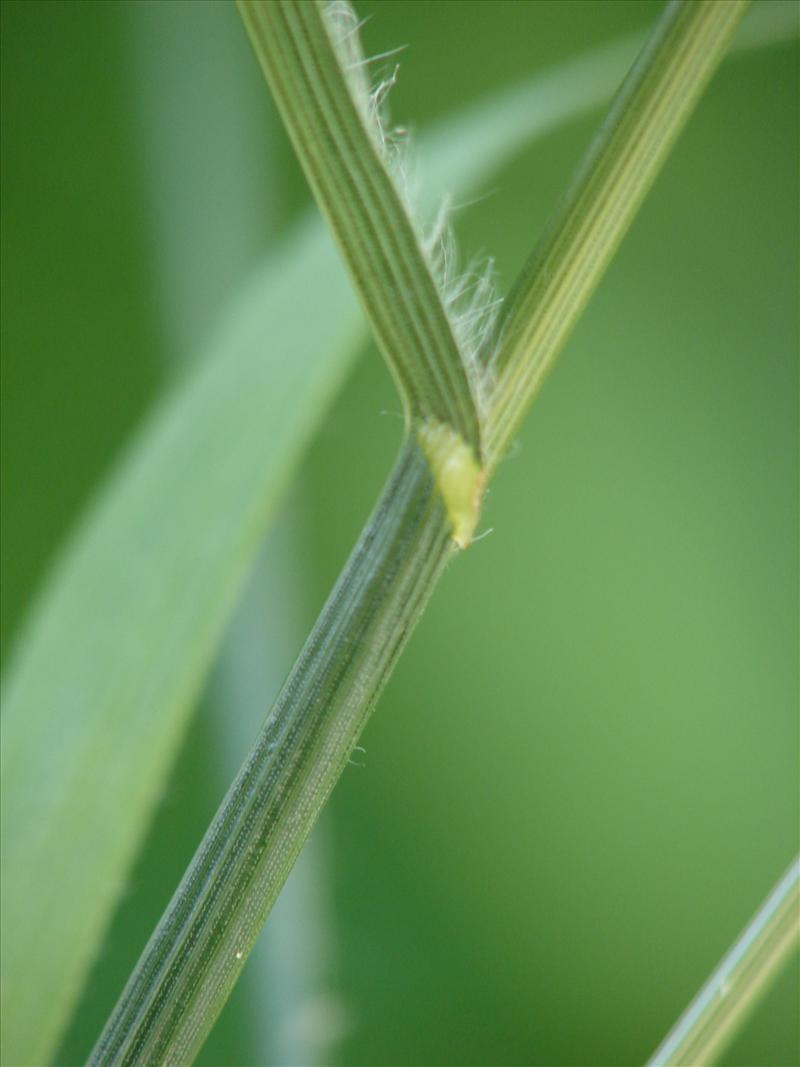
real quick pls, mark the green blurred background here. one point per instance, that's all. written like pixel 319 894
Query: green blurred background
pixel 582 779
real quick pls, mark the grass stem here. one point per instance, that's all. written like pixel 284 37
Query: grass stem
pixel 645 118
pixel 701 1034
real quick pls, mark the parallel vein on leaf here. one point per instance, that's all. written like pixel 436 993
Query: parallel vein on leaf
pixel 646 117
pixel 366 212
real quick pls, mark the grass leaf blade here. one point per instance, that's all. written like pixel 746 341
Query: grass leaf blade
pixel 645 118
pixel 336 129
pixel 108 668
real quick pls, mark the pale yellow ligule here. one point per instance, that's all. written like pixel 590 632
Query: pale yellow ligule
pixel 458 475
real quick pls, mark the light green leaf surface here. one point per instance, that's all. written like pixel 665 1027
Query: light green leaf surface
pixel 112 660
pixel 106 672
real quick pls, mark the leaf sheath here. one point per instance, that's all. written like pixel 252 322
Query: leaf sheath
pixel 194 957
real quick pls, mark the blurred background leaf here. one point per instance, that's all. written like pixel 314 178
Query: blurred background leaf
pixel 631 622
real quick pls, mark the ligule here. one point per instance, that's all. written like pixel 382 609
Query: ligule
pixel 459 477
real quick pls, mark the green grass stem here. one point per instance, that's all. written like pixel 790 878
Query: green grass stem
pixel 712 1019
pixel 193 959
